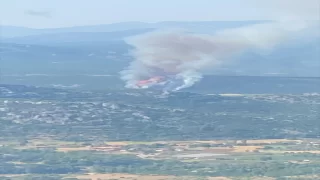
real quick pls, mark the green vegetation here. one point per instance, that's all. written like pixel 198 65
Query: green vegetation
pixel 31 161
pixel 39 125
pixel 143 116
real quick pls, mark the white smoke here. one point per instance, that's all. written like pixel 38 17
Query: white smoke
pixel 186 55
pixel 188 78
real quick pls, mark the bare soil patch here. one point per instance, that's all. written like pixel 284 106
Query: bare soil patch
pixel 246 148
pixel 141 177
pixel 73 149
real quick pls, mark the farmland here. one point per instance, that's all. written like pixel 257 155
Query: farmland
pixel 58 134
pixel 198 159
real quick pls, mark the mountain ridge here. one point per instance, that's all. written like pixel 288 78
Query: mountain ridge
pixel 16 31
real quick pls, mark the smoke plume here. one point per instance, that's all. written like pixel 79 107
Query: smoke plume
pixel 183 56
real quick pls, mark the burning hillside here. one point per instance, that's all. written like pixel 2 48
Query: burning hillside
pixel 177 60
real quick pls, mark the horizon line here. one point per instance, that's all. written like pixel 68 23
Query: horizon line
pixel 142 22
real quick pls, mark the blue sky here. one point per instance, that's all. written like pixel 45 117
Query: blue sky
pixel 63 13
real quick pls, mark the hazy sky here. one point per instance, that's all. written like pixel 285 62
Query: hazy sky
pixel 62 13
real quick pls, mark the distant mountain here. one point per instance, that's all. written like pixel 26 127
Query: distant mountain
pixel 110 57
pixel 198 26
pixel 101 49
pixel 296 59
pixel 14 31
pixel 75 37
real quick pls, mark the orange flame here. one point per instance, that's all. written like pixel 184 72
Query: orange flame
pixel 155 79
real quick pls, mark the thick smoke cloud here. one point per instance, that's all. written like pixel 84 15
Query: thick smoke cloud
pixel 184 56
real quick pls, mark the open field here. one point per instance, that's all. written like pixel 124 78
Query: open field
pixel 49 133
pixel 167 160
pixel 313 152
pixel 142 177
pixel 126 176
pixel 213 146
pixel 246 148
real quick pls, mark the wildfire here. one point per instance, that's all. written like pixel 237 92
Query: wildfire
pixel 149 82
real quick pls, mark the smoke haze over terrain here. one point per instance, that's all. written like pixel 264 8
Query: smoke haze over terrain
pixel 184 56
